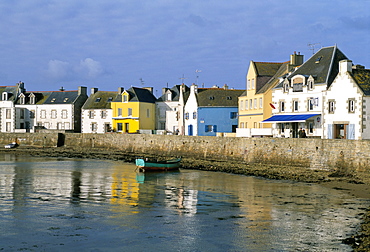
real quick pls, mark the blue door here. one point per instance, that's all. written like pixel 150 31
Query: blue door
pixel 190 130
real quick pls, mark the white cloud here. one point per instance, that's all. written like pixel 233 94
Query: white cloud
pixel 58 69
pixel 89 68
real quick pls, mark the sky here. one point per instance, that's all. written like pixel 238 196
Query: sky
pixel 49 44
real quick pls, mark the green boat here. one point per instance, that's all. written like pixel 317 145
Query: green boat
pixel 166 165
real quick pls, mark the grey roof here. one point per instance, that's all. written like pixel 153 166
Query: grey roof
pixel 175 90
pixel 11 90
pixel 61 97
pixel 323 66
pixel 218 97
pixel 138 95
pixel 362 78
pixel 101 100
pixel 283 70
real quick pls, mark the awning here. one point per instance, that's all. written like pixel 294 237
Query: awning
pixel 289 118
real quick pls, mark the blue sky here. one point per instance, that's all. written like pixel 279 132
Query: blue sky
pixel 122 43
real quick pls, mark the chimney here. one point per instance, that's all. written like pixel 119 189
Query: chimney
pixel 82 90
pixel 164 90
pixel 345 66
pixel 149 88
pixel 94 90
pixel 120 90
pixel 225 87
pixel 296 59
pixel 194 89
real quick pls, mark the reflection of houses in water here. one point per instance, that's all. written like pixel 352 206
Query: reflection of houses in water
pixel 184 200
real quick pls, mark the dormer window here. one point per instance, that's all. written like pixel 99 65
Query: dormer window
pixel 228 98
pixel 211 97
pixel 125 97
pixel 310 83
pixel 98 99
pixel 32 99
pixel 110 99
pixel 53 100
pixel 4 96
pixel 22 99
pixel 66 99
pixel 286 86
pixel 318 59
pixel 298 84
pixel 169 97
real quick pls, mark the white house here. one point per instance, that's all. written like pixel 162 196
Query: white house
pixel 54 110
pixel 346 114
pixel 298 100
pixel 169 109
pixel 97 112
pixel 190 112
pixel 8 99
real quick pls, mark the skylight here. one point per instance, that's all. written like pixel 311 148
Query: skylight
pixel 98 99
pixel 318 59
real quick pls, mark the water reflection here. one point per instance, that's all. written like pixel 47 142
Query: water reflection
pixel 109 203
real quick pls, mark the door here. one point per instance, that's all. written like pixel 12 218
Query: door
pixel 190 130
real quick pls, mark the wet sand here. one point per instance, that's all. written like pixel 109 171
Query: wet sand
pixel 357 185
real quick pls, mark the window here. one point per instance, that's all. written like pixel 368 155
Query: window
pixel 5 96
pixel 246 104
pixel 67 126
pixel 64 114
pixel 32 114
pixel 53 114
pixel 32 99
pixel 147 113
pixel 119 126
pixel 211 128
pixel 98 99
pixel 119 112
pixel 53 100
pixel 233 115
pixel 310 83
pixel 8 126
pixel 241 105
pixel 248 84
pixel 311 103
pixel 125 98
pixel 250 104
pixel 194 115
pixel 252 84
pixel 8 113
pixel 129 112
pixel 187 116
pixel 255 103
pixel 241 125
pixel 282 106
pixel 255 125
pixel 331 106
pixel 211 97
pixel 66 99
pixel 351 105
pixel 22 100
pixel 91 114
pixel 228 98
pixel 286 86
pixel 295 105
pixel 110 99
pixel 169 97
pixel 261 105
pixel 43 114
pixel 22 114
pixel 103 114
pixel 94 127
pixel 310 127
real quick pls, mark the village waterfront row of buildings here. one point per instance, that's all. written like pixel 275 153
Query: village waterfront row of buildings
pixel 327 95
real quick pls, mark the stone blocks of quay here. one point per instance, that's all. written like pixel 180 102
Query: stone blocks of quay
pixel 318 154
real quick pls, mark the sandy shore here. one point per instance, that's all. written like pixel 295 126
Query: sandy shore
pixel 357 185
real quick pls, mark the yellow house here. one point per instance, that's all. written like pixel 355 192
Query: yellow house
pixel 255 105
pixel 134 110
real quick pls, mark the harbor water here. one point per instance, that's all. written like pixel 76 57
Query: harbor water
pixel 50 204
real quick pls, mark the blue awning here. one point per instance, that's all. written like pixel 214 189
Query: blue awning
pixel 289 118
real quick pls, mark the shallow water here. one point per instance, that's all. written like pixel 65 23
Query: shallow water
pixel 49 204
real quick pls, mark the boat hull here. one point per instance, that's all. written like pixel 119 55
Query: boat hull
pixel 172 164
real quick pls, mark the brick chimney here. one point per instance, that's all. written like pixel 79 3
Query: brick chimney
pixel 296 59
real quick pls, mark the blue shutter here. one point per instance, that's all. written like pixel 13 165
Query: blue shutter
pixel 351 131
pixel 330 131
pixel 190 130
pixel 214 128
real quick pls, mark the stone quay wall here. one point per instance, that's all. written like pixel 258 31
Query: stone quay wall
pixel 317 154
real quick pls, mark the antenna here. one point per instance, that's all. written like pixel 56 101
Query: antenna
pixel 142 82
pixel 312 45
pixel 197 71
pixel 182 79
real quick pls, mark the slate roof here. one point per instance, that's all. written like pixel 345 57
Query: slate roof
pixel 323 65
pixel 274 80
pixel 138 95
pixel 218 97
pixel 175 90
pixel 362 77
pixel 101 100
pixel 264 72
pixel 60 97
pixel 11 90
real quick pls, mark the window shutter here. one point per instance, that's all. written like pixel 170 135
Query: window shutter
pixel 214 128
pixel 351 131
pixel 330 131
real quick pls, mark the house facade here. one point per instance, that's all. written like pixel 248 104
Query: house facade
pixel 134 110
pixel 298 100
pixel 169 108
pixel 54 110
pixel 345 113
pixel 209 111
pixel 97 112
pixel 8 99
pixel 255 105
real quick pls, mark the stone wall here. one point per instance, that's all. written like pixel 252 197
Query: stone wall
pixel 311 153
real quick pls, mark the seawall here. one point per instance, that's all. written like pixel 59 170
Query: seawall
pixel 316 154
